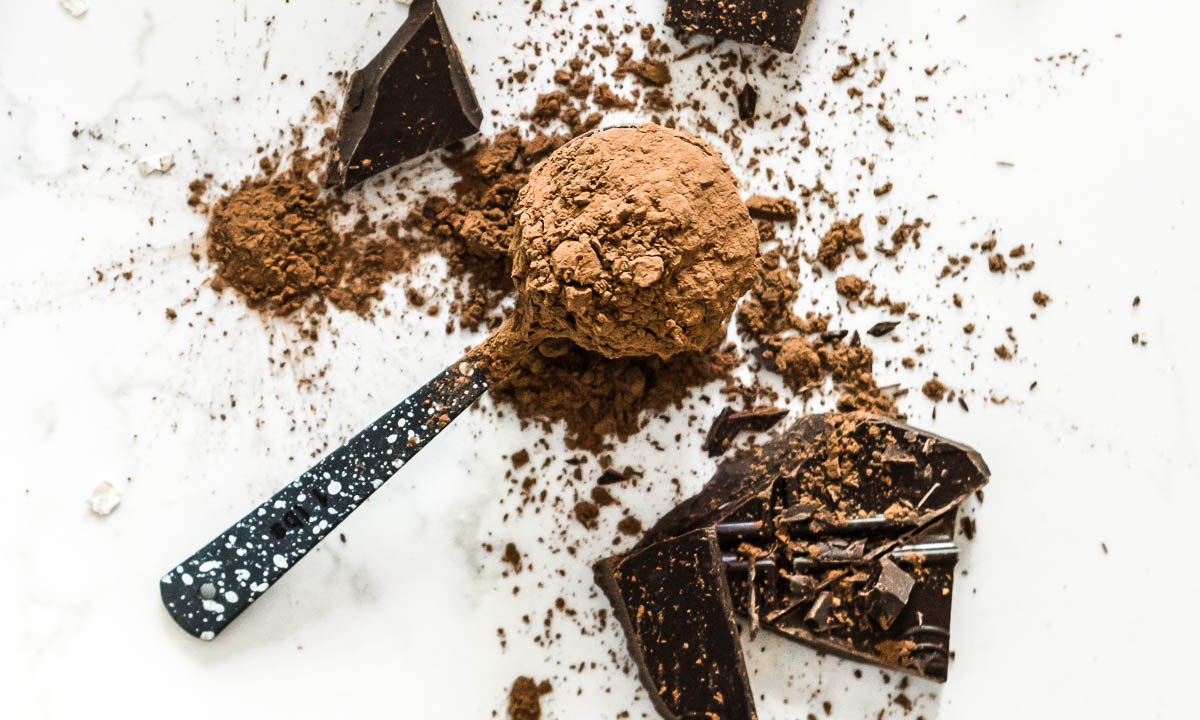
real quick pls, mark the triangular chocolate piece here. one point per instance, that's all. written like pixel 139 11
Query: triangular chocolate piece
pixel 413 97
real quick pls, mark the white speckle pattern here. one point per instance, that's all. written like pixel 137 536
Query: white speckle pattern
pixel 242 563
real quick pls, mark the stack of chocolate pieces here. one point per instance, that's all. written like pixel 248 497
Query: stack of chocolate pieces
pixel 838 533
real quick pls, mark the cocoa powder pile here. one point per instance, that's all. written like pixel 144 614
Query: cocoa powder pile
pixel 634 241
pixel 272 240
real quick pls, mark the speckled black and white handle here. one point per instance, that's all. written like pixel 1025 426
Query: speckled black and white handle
pixel 210 589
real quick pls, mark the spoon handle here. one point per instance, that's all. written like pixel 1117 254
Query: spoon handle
pixel 207 591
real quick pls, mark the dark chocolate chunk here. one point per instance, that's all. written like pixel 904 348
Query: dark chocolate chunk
pixel 774 23
pixel 817 618
pixel 888 596
pixel 848 522
pixel 413 97
pixel 747 102
pixel 673 602
pixel 880 329
pixel 729 423
pixel 802 587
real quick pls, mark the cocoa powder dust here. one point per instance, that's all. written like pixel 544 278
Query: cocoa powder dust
pixel 272 240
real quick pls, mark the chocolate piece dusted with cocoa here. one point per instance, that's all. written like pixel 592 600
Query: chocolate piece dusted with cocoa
pixel 839 533
pixel 413 97
pixel 673 602
pixel 730 423
pixel 773 23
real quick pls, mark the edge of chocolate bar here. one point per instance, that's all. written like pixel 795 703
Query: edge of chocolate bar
pixel 838 533
pixel 771 23
pixel 672 601
pixel 383 123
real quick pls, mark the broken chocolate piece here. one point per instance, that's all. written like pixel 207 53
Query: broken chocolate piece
pixel 887 598
pixel 747 102
pixel 730 423
pixel 817 618
pixel 857 506
pixel 413 97
pixel 880 329
pixel 773 23
pixel 673 602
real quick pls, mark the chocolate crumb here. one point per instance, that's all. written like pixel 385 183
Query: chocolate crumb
pixel 630 525
pixel 934 389
pixel 512 556
pixel 524 699
pixel 520 458
pixel 587 514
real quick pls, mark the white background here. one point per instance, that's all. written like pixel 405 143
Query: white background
pixel 400 621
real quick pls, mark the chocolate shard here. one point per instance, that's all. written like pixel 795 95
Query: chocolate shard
pixel 773 23
pixel 880 329
pixel 413 97
pixel 730 423
pixel 854 505
pixel 673 602
pixel 817 617
pixel 889 595
pixel 747 102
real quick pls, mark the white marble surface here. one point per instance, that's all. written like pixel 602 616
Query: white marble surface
pixel 400 620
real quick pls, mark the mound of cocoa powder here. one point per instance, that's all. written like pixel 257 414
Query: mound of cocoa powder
pixel 634 241
pixel 272 240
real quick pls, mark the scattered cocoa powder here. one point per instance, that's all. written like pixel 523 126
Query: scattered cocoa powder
pixel 587 513
pixel 520 458
pixel 934 389
pixel 599 399
pixel 273 241
pixel 775 209
pixel 630 525
pixel 850 286
pixel 805 364
pixel 512 556
pixel 654 73
pixel 524 699
pixel 842 236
